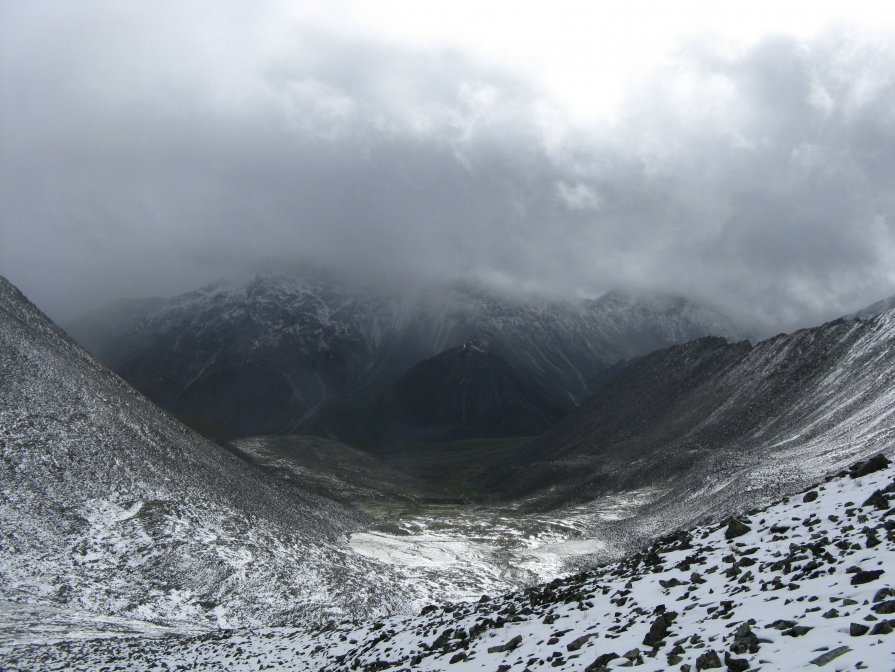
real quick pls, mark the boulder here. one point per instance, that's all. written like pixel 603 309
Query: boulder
pixel 735 528
pixel 874 464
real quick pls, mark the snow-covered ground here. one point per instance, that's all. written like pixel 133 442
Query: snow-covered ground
pixel 806 583
pixel 456 553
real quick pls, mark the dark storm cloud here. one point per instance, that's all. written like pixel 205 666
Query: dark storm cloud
pixel 148 152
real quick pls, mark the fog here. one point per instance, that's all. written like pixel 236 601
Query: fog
pixel 148 148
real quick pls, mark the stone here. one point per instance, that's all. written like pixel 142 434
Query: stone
pixel 443 639
pixel 798 630
pixel 601 661
pixel 874 464
pixel 509 646
pixel 708 660
pixel 825 658
pixel 633 654
pixel 877 500
pixel 744 640
pixel 736 664
pixel 810 496
pixel 882 628
pixel 781 624
pixel 578 643
pixel 883 593
pixel 657 632
pixel 670 583
pixel 735 528
pixel 866 576
pixel 887 607
pixel 857 629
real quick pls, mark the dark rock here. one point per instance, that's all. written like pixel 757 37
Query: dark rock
pixel 509 646
pixel 866 576
pixel 442 639
pixel 579 642
pixel 858 629
pixel 744 640
pixel 825 658
pixel 781 624
pixel 457 657
pixel 883 593
pixel 887 607
pixel 633 654
pixel 601 661
pixel 658 631
pixel 798 630
pixel 877 500
pixel 875 463
pixel 882 628
pixel 670 583
pixel 708 660
pixel 735 528
pixel 810 496
pixel 735 664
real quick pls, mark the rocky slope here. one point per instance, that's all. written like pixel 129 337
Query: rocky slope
pixel 805 583
pixel 718 423
pixel 265 356
pixel 110 506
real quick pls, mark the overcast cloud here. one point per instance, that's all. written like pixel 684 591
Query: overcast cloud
pixel 147 148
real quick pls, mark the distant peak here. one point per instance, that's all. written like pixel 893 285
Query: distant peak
pixel 469 346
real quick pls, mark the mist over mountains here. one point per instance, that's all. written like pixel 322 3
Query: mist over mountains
pixel 273 354
pixel 382 336
pixel 114 510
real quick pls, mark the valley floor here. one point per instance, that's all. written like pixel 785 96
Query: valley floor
pixel 456 553
pixel 806 583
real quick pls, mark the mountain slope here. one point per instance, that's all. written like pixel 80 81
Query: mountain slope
pixel 111 506
pixel 473 391
pixel 267 355
pixel 873 310
pixel 800 404
pixel 806 583
pixel 464 392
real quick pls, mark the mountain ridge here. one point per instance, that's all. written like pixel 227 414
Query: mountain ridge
pixel 806 401
pixel 111 506
pixel 295 343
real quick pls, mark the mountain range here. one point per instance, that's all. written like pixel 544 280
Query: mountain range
pixel 720 425
pixel 270 355
pixel 113 508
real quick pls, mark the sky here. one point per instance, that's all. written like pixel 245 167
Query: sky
pixel 739 153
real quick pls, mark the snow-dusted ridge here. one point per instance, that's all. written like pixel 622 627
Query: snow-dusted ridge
pixel 110 506
pixel 287 345
pixel 806 583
